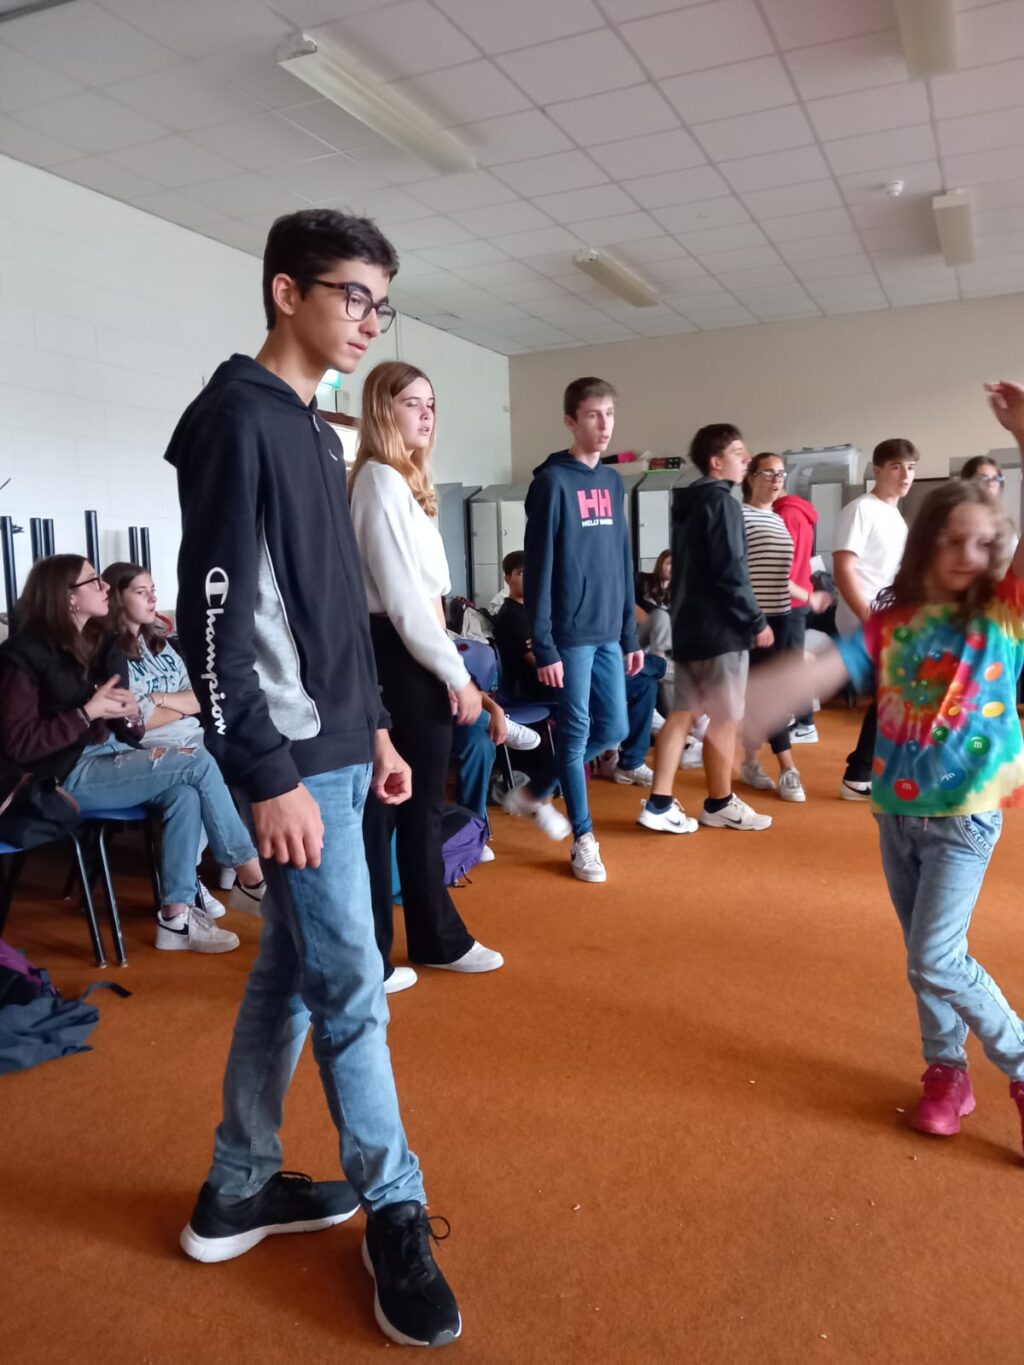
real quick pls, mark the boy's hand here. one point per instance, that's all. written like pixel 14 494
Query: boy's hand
pixel 634 662
pixel 1007 402
pixel 552 675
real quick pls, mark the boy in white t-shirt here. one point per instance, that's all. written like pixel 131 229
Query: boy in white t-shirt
pixel 869 545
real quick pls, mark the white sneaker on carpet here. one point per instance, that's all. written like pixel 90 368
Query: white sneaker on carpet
pixel 548 819
pixel 657 723
pixel 803 734
pixel 790 786
pixel 693 755
pixel 641 776
pixel 585 859
pixel 736 815
pixel 248 899
pixel 209 902
pixel 671 821
pixel 855 791
pixel 400 980
pixel 193 931
pixel 487 854
pixel 475 959
pixel 755 776
pixel 520 736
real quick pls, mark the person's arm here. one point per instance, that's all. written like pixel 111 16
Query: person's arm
pixel 542 521
pixel 844 570
pixel 26 735
pixel 727 564
pixel 788 686
pixel 1007 402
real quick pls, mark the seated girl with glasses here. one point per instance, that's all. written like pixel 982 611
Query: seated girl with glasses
pixel 66 712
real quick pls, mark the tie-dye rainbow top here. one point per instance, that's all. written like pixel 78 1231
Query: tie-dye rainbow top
pixel 949 738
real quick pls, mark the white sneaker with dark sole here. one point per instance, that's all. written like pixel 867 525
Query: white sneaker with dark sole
pixel 585 859
pixel 671 821
pixel 193 931
pixel 736 815
pixel 855 791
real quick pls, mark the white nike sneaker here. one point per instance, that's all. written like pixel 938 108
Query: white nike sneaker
pixel 641 776
pixel 736 815
pixel 790 786
pixel 671 821
pixel 803 734
pixel 545 816
pixel 193 931
pixel 209 902
pixel 585 857
pixel 520 736
pixel 855 791
pixel 755 776
pixel 248 899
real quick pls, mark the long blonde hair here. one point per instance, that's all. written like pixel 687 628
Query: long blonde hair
pixel 379 437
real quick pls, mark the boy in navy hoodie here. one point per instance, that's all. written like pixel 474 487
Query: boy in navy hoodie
pixel 578 585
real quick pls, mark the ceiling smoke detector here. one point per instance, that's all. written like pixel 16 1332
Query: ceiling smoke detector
pixel 895 188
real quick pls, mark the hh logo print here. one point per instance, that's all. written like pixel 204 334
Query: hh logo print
pixel 595 507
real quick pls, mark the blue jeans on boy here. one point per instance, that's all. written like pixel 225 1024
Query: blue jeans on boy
pixel 318 962
pixel 935 867
pixel 590 717
pixel 641 698
pixel 473 752
pixel 189 791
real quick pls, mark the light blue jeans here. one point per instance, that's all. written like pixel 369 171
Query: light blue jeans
pixel 590 717
pixel 318 962
pixel 935 868
pixel 189 791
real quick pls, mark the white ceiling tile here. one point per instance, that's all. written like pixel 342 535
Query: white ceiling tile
pixel 854 154
pixel 91 122
pixel 24 82
pixel 991 34
pixel 624 227
pixel 494 314
pixel 944 292
pixel 560 305
pixel 259 141
pixel 326 177
pixel 652 249
pixel 470 190
pixel 391 206
pixel 175 162
pixel 756 277
pixel 424 232
pixel 253 67
pixel 780 312
pixel 979 90
pixel 821 248
pixel 870 111
pixel 715 34
pixel 773 294
pixel 795 227
pixel 834 267
pixel 645 156
pixel 106 177
pixel 176 208
pixel 547 174
pixel 1001 220
pixel 310 13
pixel 747 258
pixel 663 327
pixel 999 243
pixel 390 162
pixel 529 292
pixel 235 195
pixel 573 206
pixel 717 239
pixel 923 177
pixel 551 264
pixel 573 67
pixel 505 272
pixel 798 23
pixel 1000 194
pixel 87 43
pixel 513 137
pixel 398 40
pixel 498 26
pixel 884 211
pixel 463 94
pixel 913 238
pixel 234 233
pixel 865 282
pixel 975 168
pixel 775 169
pixel 772 130
pixel 461 254
pixel 603 333
pixel 515 217
pixel 682 276
pixel 185 97
pixel 855 64
pixel 539 242
pixel 705 213
pixel 684 299
pixel 791 199
pixel 985 289
pixel 854 303
pixel 621 10
pixel 22 143
pixel 712 320
pixel 726 91
pixel 326 121
pixel 603 118
pixel 196 27
pixel 983 132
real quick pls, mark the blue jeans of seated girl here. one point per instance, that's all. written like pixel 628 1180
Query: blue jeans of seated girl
pixel 189 791
pixel 934 868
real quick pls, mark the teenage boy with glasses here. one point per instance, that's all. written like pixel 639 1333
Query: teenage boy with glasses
pixel 274 627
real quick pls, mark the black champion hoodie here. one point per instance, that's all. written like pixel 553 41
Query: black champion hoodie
pixel 272 611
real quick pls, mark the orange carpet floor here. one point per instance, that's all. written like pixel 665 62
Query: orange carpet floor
pixel 672 1129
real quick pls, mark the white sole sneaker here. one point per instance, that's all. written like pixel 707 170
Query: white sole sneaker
pixel 792 791
pixel 400 980
pixel 633 777
pixel 248 900
pixel 592 870
pixel 801 736
pixel 737 815
pixel 753 775
pixel 211 1250
pixel 855 791
pixel 204 937
pixel 671 821
pixel 473 961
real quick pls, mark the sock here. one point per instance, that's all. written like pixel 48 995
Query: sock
pixel 658 805
pixel 714 804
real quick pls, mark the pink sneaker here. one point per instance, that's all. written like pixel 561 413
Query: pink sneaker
pixel 1017 1094
pixel 947 1098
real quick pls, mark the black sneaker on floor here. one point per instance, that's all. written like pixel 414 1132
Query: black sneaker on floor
pixel 413 1304
pixel 220 1229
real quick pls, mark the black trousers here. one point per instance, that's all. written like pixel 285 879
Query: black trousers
pixel 797 634
pixel 780 741
pixel 421 731
pixel 858 764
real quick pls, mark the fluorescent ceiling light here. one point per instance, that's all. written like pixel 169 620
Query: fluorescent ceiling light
pixel 348 84
pixel 954 220
pixel 616 277
pixel 928 35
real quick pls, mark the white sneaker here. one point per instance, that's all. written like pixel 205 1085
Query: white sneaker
pixel 400 980
pixel 547 818
pixel 671 821
pixel 585 858
pixel 487 854
pixel 193 931
pixel 641 776
pixel 790 786
pixel 520 736
pixel 475 959
pixel 803 734
pixel 755 776
pixel 693 755
pixel 657 723
pixel 736 815
pixel 209 902
pixel 248 899
pixel 855 791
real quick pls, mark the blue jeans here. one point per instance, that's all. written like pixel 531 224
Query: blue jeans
pixel 473 751
pixel 187 788
pixel 318 962
pixel 641 697
pixel 935 868
pixel 590 718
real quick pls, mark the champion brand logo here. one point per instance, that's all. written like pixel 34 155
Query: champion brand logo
pixel 216 588
pixel 217 585
pixel 596 505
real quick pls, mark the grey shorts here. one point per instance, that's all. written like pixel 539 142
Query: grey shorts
pixel 713 687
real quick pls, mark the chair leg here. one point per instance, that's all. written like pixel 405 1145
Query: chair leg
pixel 506 762
pixel 9 884
pixel 90 909
pixel 108 892
pixel 149 833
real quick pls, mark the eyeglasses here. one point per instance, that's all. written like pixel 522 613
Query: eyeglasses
pixel 776 475
pixel 990 478
pixel 359 303
pixel 86 582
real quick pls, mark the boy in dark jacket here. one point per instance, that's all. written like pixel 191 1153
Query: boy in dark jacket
pixel 715 622
pixel 578 583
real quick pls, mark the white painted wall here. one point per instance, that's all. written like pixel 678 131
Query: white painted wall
pixel 111 320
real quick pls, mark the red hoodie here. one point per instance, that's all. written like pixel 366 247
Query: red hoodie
pixel 800 518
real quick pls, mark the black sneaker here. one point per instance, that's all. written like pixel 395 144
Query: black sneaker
pixel 221 1229
pixel 413 1304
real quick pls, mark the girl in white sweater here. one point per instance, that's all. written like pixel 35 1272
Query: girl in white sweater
pixel 422 676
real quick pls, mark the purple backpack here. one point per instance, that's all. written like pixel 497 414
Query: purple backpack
pixel 463 836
